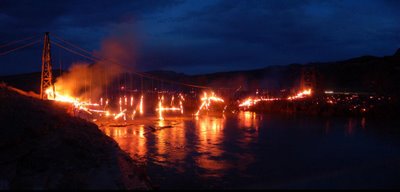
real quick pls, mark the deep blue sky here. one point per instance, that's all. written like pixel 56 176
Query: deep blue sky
pixel 202 36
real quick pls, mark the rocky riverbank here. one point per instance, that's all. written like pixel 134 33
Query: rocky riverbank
pixel 42 147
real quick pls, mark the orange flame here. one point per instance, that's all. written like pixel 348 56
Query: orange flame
pixel 161 108
pixel 141 105
pixel 122 113
pixel 206 101
pixel 301 94
pixel 250 101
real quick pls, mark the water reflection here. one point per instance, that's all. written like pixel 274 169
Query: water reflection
pixel 170 141
pixel 210 138
pixel 161 139
pixel 351 125
pixel 168 144
pixel 245 146
pixel 140 146
pixel 131 139
pixel 363 123
pixel 249 119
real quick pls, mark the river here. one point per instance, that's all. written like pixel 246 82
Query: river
pixel 261 151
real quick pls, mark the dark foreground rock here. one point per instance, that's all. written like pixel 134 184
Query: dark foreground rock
pixel 42 147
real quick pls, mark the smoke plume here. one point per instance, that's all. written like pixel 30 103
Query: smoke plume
pixel 89 80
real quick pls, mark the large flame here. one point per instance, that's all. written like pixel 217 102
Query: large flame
pixel 80 105
pixel 90 108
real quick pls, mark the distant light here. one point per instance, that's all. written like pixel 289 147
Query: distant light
pixel 328 92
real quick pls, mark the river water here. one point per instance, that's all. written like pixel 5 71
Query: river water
pixel 257 151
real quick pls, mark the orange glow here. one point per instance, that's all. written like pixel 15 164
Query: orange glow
pixel 181 102
pixel 141 105
pixel 133 114
pixel 107 113
pixel 181 97
pixel 131 139
pixel 122 113
pixel 247 103
pixel 210 131
pixel 58 97
pixel 248 119
pixel 161 144
pixel 301 94
pixel 206 101
pixel 120 104
pixel 181 106
pixel 250 101
pixel 172 101
pixel 122 101
pixel 161 108
pixel 81 105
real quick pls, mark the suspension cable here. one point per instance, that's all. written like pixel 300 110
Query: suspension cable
pixel 75 46
pixel 72 51
pixel 94 58
pixel 16 41
pixel 20 47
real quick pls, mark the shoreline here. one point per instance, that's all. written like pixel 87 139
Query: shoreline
pixel 43 147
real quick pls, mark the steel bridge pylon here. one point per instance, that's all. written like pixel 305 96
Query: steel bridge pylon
pixel 47 72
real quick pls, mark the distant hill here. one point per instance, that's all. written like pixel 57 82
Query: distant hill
pixel 27 81
pixel 365 73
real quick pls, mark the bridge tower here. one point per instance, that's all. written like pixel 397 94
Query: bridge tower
pixel 308 79
pixel 47 73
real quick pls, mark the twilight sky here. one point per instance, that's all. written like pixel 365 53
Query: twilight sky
pixel 203 36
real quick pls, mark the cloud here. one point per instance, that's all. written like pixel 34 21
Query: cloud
pixel 84 22
pixel 27 16
pixel 217 34
pixel 259 33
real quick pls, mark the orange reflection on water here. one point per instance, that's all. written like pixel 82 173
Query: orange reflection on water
pixel 131 139
pixel 248 119
pixel 210 132
pixel 170 141
pixel 249 122
pixel 178 141
pixel 161 142
pixel 140 148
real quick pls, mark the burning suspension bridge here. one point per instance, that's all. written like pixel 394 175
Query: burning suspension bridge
pixel 126 101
